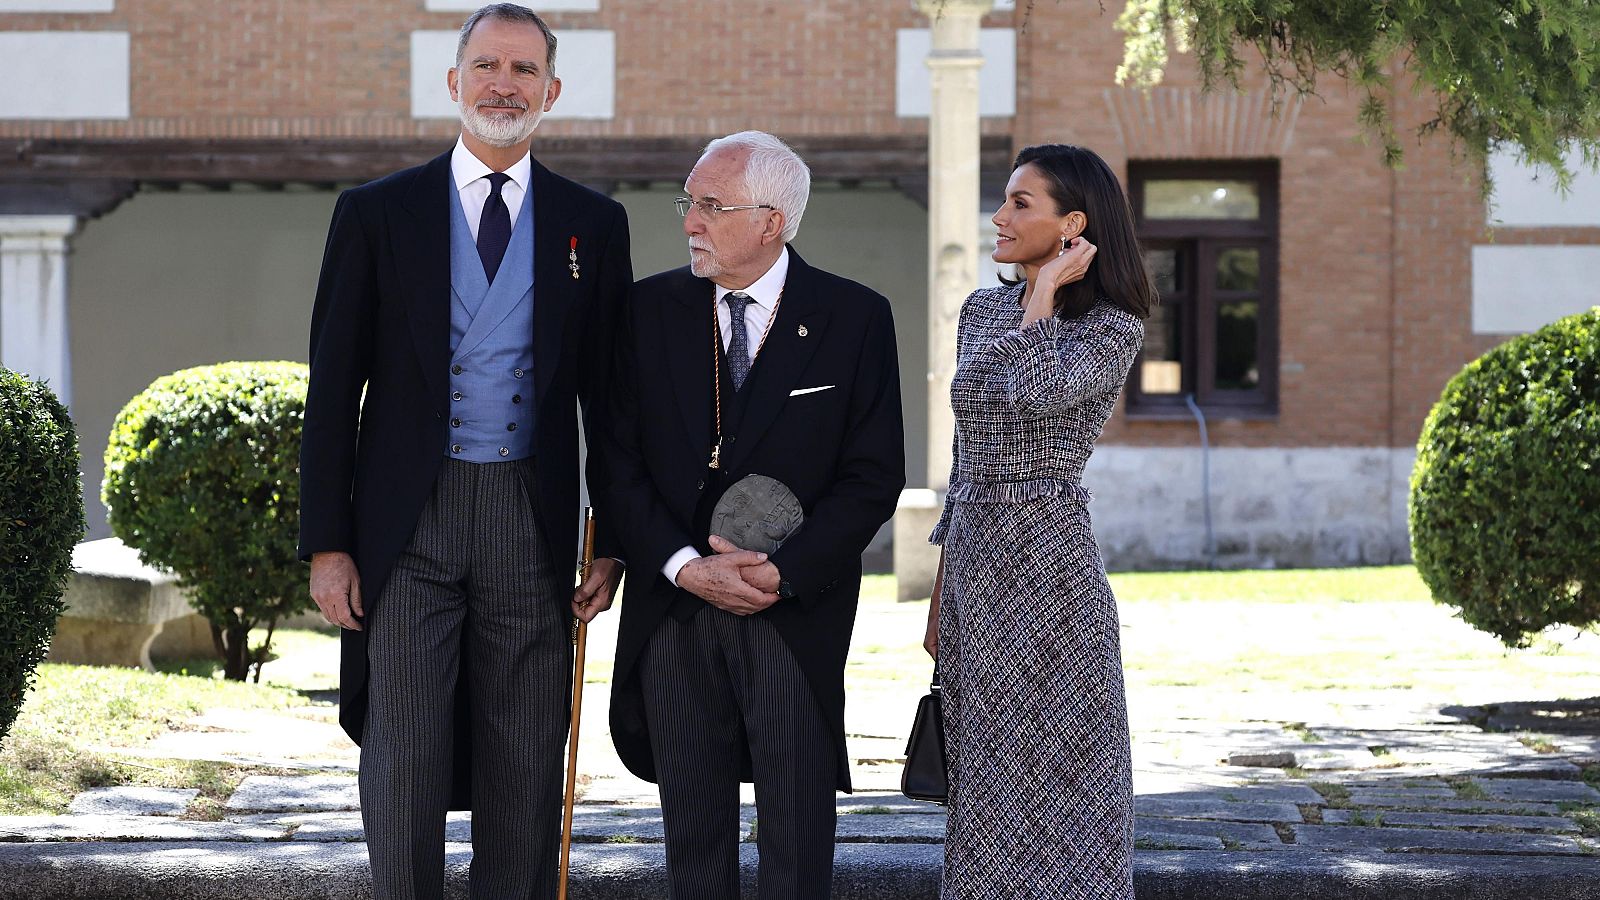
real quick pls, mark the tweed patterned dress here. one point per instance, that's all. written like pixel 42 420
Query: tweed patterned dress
pixel 1036 722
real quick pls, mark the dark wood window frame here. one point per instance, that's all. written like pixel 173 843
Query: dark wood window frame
pixel 1199 299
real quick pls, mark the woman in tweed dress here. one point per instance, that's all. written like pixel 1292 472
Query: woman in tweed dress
pixel 1023 623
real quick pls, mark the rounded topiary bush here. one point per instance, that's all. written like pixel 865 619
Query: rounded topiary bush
pixel 202 477
pixel 41 518
pixel 1505 497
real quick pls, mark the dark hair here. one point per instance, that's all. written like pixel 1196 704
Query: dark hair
pixel 1079 179
pixel 509 12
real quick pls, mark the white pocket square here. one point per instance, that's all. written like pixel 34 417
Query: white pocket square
pixel 826 387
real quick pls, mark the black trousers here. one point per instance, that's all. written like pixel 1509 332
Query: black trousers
pixel 476 583
pixel 714 686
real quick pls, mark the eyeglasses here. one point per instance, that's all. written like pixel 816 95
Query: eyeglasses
pixel 706 207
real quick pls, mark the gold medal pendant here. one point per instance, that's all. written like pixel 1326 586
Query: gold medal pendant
pixel 716 456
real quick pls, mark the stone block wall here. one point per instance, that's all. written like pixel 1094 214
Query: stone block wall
pixel 1271 507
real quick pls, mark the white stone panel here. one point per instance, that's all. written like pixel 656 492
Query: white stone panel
pixel 34 337
pixel 57 6
pixel 1270 507
pixel 997 80
pixel 541 6
pixel 1527 196
pixel 64 75
pixel 1520 288
pixel 585 60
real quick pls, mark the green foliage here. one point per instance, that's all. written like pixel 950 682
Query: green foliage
pixel 1517 72
pixel 41 518
pixel 202 477
pixel 1505 496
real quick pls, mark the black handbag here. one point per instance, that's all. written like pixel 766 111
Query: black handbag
pixel 926 776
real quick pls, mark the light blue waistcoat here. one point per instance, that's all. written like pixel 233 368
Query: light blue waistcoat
pixel 491 344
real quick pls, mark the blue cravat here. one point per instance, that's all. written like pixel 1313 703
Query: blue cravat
pixel 739 343
pixel 494 226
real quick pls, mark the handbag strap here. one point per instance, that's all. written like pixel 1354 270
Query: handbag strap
pixel 934 685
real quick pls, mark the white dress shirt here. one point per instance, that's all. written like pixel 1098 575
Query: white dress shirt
pixel 472 184
pixel 764 294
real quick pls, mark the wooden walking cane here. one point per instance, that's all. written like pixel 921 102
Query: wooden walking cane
pixel 580 638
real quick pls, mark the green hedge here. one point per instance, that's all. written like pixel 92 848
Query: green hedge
pixel 202 477
pixel 41 518
pixel 1505 497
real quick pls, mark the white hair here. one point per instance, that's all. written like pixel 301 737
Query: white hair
pixel 773 174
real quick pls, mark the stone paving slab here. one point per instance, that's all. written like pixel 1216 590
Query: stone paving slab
pixel 132 828
pixel 1419 792
pixel 297 871
pixel 346 826
pixel 853 804
pixel 1245 836
pixel 1538 791
pixel 1473 806
pixel 1352 837
pixel 1276 793
pixel 590 825
pixel 1328 760
pixel 1157 840
pixel 1447 820
pixel 893 828
pixel 626 791
pixel 295 793
pixel 1443 763
pixel 1219 809
pixel 133 801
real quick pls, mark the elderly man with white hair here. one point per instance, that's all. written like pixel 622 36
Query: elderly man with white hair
pixel 736 623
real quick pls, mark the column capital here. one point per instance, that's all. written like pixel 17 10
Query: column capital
pixel 36 234
pixel 936 9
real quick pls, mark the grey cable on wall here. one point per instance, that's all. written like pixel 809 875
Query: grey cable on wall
pixel 1205 478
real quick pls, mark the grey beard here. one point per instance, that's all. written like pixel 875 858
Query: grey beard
pixel 704 266
pixel 496 131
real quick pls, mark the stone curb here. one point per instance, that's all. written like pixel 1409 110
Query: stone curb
pixel 283 871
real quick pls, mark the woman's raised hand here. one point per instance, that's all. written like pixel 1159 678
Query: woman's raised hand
pixel 1069 265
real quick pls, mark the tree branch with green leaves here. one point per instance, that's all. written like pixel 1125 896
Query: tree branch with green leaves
pixel 1513 74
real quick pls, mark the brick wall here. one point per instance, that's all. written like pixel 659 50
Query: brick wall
pixel 318 68
pixel 1375 265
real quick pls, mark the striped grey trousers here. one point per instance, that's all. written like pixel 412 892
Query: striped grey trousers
pixel 476 585
pixel 713 687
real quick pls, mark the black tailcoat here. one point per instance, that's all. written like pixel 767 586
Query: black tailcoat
pixel 840 449
pixel 376 410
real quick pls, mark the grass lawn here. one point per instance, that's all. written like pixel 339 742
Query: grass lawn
pixel 46 759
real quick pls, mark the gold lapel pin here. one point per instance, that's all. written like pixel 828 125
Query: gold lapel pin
pixel 803 332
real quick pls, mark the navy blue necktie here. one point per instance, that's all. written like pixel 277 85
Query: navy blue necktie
pixel 494 226
pixel 739 339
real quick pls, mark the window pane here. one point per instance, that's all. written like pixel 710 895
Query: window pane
pixel 1239 269
pixel 1161 371
pixel 1237 364
pixel 1185 198
pixel 1165 270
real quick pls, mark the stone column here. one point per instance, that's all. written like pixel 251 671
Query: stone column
pixel 953 133
pixel 33 298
